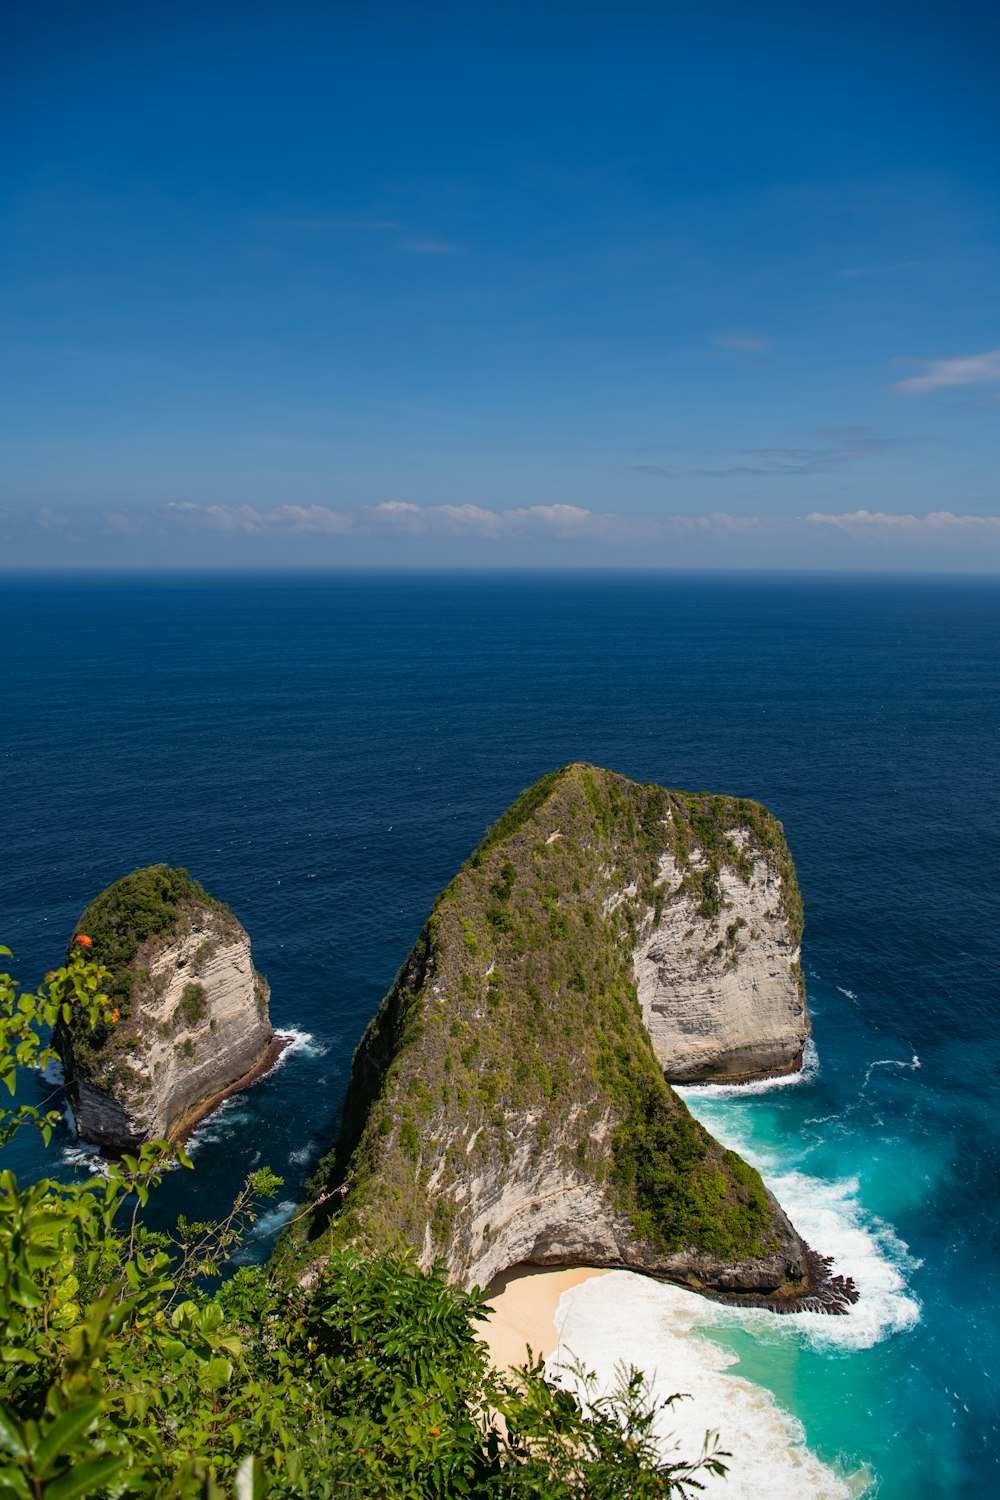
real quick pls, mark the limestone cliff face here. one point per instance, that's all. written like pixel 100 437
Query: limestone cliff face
pixel 547 1212
pixel 192 1012
pixel 507 1103
pixel 719 983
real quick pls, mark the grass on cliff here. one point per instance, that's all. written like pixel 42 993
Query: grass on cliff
pixel 516 1017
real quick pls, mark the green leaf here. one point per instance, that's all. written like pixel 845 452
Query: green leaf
pixel 251 1480
pixel 11 1436
pixel 216 1373
pixel 84 1479
pixel 13 1482
pixel 63 1433
pixel 25 1292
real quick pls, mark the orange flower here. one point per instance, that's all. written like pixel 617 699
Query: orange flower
pixel 435 1432
pixel 114 1016
pixel 84 940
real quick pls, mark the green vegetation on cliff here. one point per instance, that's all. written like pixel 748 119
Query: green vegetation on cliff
pixel 143 909
pixel 515 1020
pixel 147 903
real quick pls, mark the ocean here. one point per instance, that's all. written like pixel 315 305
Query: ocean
pixel 323 751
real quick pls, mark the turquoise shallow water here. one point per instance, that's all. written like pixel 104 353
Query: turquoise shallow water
pixel 322 753
pixel 865 1386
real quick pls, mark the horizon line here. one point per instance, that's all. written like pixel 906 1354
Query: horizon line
pixel 84 571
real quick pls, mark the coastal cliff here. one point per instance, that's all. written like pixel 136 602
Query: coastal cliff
pixel 717 968
pixel 191 1012
pixel 507 1104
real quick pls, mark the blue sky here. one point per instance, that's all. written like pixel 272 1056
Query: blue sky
pixel 547 285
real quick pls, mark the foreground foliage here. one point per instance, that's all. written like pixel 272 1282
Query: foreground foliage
pixel 126 1370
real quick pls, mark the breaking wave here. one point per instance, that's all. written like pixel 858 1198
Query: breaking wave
pixel 830 1216
pixel 655 1327
pixel 809 1070
pixel 298 1043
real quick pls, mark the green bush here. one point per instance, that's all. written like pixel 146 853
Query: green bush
pixel 194 1003
pixel 128 1371
pixel 144 904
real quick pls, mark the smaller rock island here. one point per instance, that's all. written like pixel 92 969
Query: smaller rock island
pixel 192 1013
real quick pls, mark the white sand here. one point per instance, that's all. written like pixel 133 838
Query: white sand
pixel 525 1301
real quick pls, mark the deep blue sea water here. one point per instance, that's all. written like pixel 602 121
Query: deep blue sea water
pixel 323 752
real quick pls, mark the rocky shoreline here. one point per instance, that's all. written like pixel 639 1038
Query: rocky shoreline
pixel 824 1292
pixel 268 1060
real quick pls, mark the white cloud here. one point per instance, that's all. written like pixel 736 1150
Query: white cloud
pixel 560 520
pixel 569 520
pixel 938 524
pixel 300 519
pixel 462 518
pixel 315 518
pixel 969 369
pixel 620 534
pixel 49 521
pixel 120 522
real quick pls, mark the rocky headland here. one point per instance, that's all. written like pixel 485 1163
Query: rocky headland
pixel 509 1103
pixel 190 1013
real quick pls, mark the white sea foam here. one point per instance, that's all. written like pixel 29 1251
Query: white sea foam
pixel 890 1062
pixel 264 1230
pixel 911 1066
pixel 809 1070
pixel 275 1217
pixel 304 1153
pixel 627 1319
pixel 297 1042
pixel 830 1216
pixel 84 1159
pixel 222 1124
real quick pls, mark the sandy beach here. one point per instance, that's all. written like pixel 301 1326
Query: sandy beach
pixel 620 1317
pixel 524 1301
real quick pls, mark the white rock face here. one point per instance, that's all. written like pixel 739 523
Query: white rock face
pixel 196 1027
pixel 722 998
pixel 541 1212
